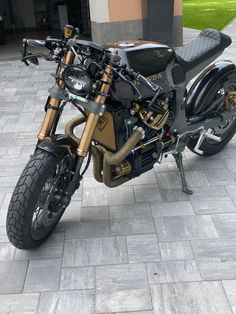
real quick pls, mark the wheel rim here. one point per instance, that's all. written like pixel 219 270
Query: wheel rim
pixel 52 200
pixel 229 103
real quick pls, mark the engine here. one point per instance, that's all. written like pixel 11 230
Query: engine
pixel 154 120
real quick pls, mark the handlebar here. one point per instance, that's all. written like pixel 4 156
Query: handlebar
pixel 34 42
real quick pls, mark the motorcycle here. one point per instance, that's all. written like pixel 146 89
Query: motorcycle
pixel 134 109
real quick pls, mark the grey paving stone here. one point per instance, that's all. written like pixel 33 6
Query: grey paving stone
pixel 94 251
pixel 45 251
pixel 142 312
pixel 217 268
pixel 201 163
pixel 1 198
pixel 190 297
pixel 147 193
pixel 9 167
pixel 228 153
pixel 6 201
pixel 62 302
pixel 26 138
pixel 230 289
pixel 173 271
pixel 215 248
pixel 77 278
pixel 7 252
pixel 172 209
pixel 8 139
pixel 143 248
pixel 19 303
pixel 3 235
pixel 90 182
pixel 232 192
pixel 130 211
pixel 213 207
pixel 95 213
pixel 43 275
pixel 122 288
pixel 168 166
pixel 145 178
pixel 12 276
pixel 225 225
pixel 72 212
pixel 185 228
pixel 104 196
pixel 220 177
pixel 172 180
pixel 173 195
pixel 212 193
pixel 176 251
pixel 8 183
pixel 88 229
pixel 3 217
pixel 230 164
pixel 132 226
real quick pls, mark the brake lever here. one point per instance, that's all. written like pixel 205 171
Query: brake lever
pixel 34 58
pixel 131 83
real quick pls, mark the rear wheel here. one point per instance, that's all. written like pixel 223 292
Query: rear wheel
pixel 226 131
pixel 39 199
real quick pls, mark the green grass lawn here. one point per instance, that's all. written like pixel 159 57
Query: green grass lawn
pixel 200 14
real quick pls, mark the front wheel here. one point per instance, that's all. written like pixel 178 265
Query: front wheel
pixel 39 199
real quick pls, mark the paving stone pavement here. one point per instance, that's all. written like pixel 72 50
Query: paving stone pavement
pixel 142 248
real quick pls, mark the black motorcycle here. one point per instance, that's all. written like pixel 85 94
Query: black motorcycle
pixel 134 109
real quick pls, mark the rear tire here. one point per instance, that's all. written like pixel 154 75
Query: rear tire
pixel 36 205
pixel 210 147
pixel 227 131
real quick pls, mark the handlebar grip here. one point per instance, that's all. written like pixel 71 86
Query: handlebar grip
pixel 34 42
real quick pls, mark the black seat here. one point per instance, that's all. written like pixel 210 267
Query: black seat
pixel 201 51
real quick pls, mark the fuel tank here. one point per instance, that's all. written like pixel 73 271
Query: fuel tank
pixel 147 58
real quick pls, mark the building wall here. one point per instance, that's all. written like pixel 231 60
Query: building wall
pixel 113 20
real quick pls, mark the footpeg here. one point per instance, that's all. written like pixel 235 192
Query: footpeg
pixel 205 134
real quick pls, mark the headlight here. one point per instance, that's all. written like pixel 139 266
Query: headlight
pixel 77 80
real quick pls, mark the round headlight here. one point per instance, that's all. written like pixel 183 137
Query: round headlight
pixel 77 80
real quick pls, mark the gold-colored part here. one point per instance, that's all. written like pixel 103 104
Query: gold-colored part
pixel 93 118
pixel 123 168
pixel 230 101
pixel 136 107
pixel 49 119
pixel 104 162
pixel 71 124
pixel 51 113
pixel 153 120
pixel 68 32
pixel 102 170
pixel 104 132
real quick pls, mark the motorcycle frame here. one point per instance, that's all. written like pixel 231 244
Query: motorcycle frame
pixel 182 126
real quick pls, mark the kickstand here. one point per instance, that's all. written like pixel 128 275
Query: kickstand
pixel 179 161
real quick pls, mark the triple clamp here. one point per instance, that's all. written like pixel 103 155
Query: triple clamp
pixel 205 134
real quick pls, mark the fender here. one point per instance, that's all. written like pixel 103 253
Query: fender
pixel 196 100
pixel 58 145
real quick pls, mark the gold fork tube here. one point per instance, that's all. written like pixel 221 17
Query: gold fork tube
pixel 51 113
pixel 93 118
